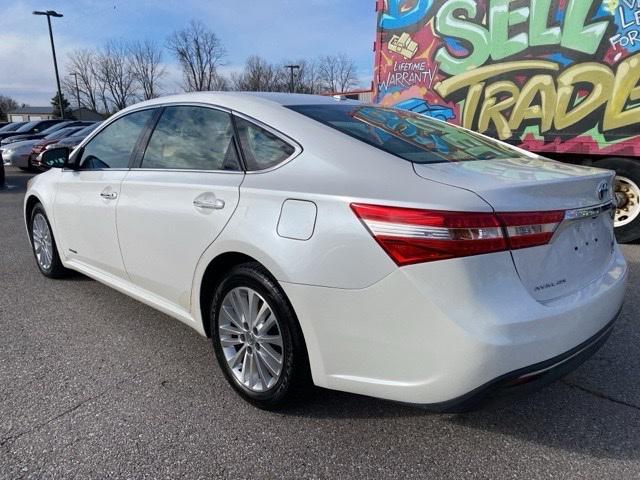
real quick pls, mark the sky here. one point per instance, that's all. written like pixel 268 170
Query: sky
pixel 274 29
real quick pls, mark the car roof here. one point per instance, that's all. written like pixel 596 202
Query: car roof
pixel 244 99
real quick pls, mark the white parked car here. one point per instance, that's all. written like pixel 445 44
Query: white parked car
pixel 376 250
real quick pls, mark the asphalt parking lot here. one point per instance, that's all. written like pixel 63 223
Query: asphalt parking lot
pixel 96 385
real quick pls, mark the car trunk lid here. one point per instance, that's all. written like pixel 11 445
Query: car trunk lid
pixel 581 247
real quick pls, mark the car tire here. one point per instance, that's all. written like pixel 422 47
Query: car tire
pixel 254 373
pixel 43 244
pixel 628 172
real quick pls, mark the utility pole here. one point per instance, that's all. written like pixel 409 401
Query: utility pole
pixel 291 69
pixel 75 74
pixel 49 14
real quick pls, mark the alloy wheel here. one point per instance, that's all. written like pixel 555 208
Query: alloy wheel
pixel 42 241
pixel 251 339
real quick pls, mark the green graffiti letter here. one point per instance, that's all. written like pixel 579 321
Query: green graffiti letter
pixel 539 31
pixel 500 20
pixel 447 24
pixel 577 35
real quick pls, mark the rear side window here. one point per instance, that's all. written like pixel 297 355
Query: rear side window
pixel 112 147
pixel 192 138
pixel 261 148
pixel 408 135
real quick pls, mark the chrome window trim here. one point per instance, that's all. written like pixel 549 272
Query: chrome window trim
pixel 184 170
pixel 282 136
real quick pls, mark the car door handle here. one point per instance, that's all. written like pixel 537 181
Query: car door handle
pixel 109 195
pixel 216 204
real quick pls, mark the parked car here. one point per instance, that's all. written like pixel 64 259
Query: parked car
pixel 44 133
pixel 386 253
pixel 21 154
pixel 17 154
pixel 74 140
pixel 53 139
pixel 11 127
pixel 34 127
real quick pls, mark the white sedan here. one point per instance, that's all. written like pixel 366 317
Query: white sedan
pixel 369 249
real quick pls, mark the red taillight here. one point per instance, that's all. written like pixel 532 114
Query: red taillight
pixel 413 236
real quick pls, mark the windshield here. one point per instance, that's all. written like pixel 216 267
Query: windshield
pixel 63 132
pixel 87 130
pixel 26 127
pixel 408 135
pixel 54 128
pixel 10 127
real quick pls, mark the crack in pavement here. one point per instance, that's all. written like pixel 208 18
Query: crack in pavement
pixel 16 436
pixel 12 438
pixel 600 395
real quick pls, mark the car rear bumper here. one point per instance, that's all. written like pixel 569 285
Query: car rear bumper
pixel 439 333
pixel 530 378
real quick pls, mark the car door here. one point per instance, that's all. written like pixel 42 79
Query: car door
pixel 178 199
pixel 86 199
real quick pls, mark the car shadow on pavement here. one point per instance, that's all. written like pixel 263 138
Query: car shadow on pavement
pixel 559 416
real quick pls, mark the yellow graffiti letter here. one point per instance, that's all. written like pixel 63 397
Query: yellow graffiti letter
pixel 492 108
pixel 524 108
pixel 597 75
pixel 626 88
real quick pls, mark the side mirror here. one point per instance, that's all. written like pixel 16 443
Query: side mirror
pixel 55 157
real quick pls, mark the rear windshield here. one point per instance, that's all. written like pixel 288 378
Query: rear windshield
pixel 408 135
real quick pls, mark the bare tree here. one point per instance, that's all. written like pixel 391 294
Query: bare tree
pixel 308 79
pixel 259 76
pixel 115 72
pixel 338 72
pixel 200 53
pixel 6 105
pixel 82 62
pixel 148 70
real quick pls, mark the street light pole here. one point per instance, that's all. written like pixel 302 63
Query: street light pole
pixel 291 69
pixel 75 74
pixel 49 14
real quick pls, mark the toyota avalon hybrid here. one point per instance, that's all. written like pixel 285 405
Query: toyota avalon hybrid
pixel 368 249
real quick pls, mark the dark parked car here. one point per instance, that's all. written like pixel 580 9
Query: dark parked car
pixel 74 140
pixel 50 140
pixel 34 127
pixel 11 127
pixel 37 135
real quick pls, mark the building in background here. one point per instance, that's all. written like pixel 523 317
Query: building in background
pixel 86 114
pixel 28 114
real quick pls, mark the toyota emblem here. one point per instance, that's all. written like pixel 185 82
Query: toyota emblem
pixel 603 190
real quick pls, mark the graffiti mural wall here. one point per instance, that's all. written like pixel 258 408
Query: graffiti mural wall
pixel 548 75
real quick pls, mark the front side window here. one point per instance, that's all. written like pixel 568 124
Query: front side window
pixel 113 146
pixel 192 138
pixel 408 135
pixel 261 148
